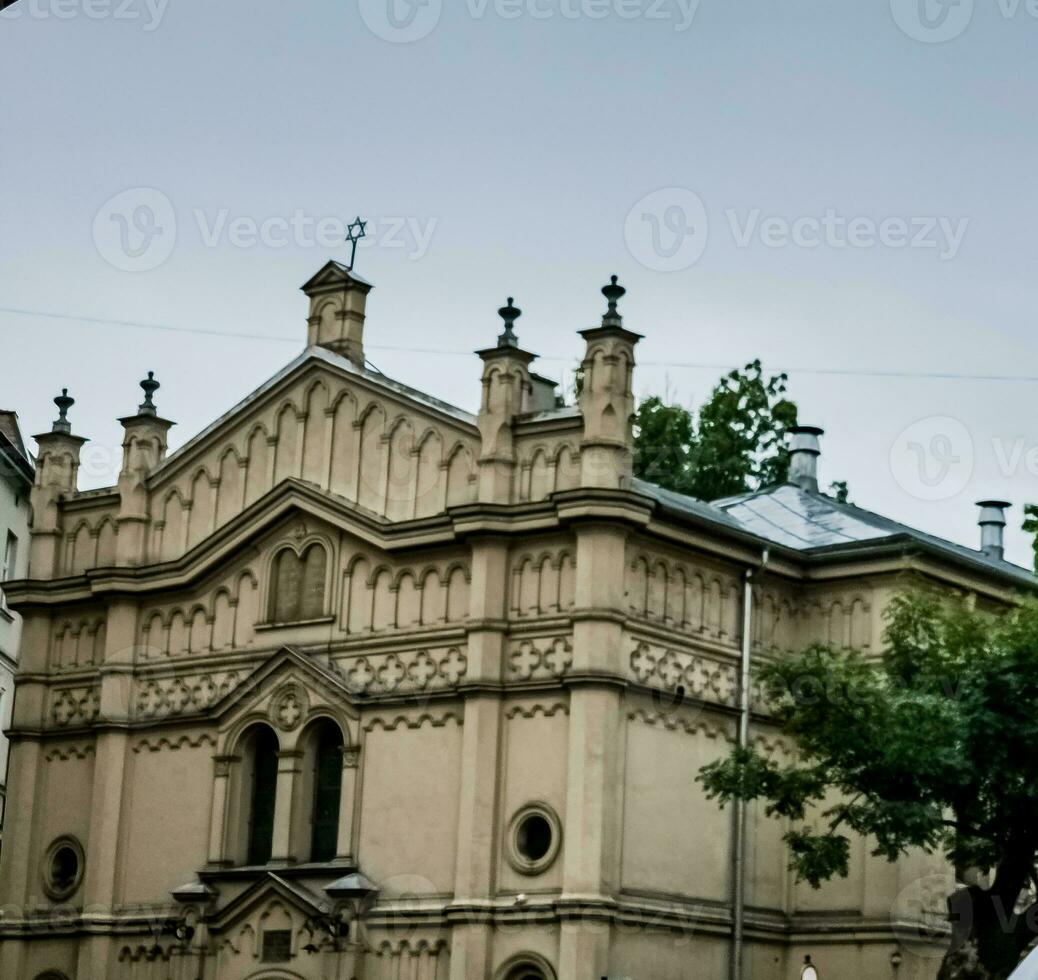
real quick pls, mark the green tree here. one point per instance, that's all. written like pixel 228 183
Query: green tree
pixel 1030 525
pixel 839 491
pixel 930 746
pixel 735 443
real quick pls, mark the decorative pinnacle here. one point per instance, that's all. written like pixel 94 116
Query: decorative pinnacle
pixel 150 386
pixel 64 402
pixel 509 314
pixel 614 292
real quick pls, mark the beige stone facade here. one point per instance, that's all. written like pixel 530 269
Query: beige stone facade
pixel 358 685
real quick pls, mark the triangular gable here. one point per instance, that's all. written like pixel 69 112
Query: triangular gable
pixel 270 885
pixel 332 273
pixel 287 673
pixel 272 390
pixel 352 434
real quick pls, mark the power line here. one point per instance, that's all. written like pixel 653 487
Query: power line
pixel 691 365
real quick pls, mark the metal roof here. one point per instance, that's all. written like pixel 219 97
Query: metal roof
pixel 797 518
pixel 815 524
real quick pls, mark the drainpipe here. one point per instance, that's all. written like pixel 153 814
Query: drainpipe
pixel 739 809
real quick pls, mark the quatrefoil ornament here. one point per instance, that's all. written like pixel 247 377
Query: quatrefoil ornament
pixel 288 707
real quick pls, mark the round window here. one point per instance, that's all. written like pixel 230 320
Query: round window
pixel 535 834
pixel 533 837
pixel 63 868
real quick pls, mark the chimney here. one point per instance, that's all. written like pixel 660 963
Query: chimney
pixel 804 451
pixel 338 299
pixel 992 523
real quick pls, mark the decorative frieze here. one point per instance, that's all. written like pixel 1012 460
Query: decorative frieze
pixel 183 694
pixel 72 706
pixel 698 675
pixel 542 658
pixel 174 743
pixel 414 722
pixel 403 673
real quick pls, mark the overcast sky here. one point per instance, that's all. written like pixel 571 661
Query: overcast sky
pixel 832 187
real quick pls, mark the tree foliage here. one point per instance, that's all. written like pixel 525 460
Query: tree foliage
pixel 931 746
pixel 1030 525
pixel 734 444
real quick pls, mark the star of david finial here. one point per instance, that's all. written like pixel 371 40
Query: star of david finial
pixel 356 231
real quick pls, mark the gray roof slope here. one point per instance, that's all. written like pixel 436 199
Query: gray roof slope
pixel 12 446
pixel 814 524
pixel 9 427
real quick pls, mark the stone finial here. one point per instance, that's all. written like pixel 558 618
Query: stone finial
pixel 509 314
pixel 614 292
pixel 64 401
pixel 150 386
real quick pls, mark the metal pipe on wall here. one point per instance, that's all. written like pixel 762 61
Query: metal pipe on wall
pixel 739 809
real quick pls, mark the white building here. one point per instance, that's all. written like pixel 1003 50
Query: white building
pixel 16 475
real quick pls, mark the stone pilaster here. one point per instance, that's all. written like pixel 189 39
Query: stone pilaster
pixel 507 390
pixel 344 849
pixel 57 469
pixel 481 748
pixel 144 447
pixel 594 792
pixel 290 767
pixel 606 398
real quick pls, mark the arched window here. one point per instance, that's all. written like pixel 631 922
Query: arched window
pixel 298 592
pixel 261 776
pixel 326 759
pixel 527 966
